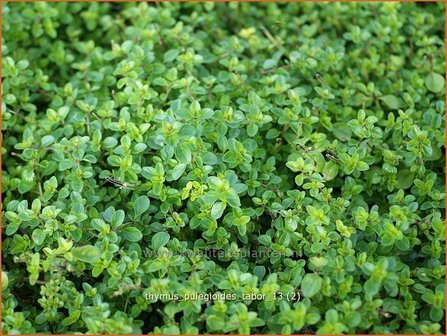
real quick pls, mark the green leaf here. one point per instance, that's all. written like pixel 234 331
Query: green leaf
pixel 259 271
pixel 218 209
pixel 38 236
pixel 215 322
pixel 117 218
pixel 12 228
pixel 269 63
pixel 330 170
pixel 171 55
pixel 131 234
pixel 160 239
pixel 87 253
pixel 72 318
pixel 242 229
pixel 311 285
pixel 252 130
pixel 391 101
pixel 183 153
pixel 405 179
pixel 434 82
pixel 178 171
pixel 371 287
pixel 66 164
pixel 141 205
pixel 47 140
pixel 265 240
pixel 342 131
pixel 353 319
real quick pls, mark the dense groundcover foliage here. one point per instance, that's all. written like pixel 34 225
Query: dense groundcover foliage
pixel 294 151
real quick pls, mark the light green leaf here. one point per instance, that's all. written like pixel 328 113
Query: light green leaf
pixel 391 101
pixel 218 209
pixel 171 55
pixel 311 285
pixel 178 171
pixel 131 234
pixel 47 140
pixel 330 170
pixel 87 253
pixel 160 239
pixel 183 153
pixel 434 82
pixel 269 63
